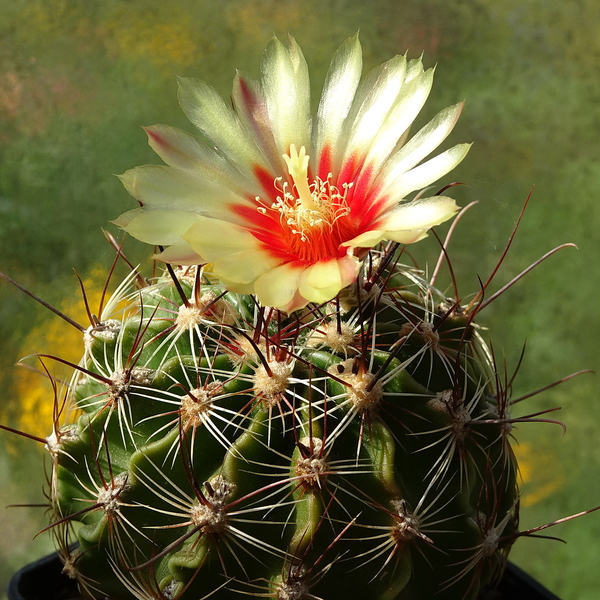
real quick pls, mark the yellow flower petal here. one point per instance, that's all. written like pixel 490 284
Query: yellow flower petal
pixel 180 254
pixel 407 237
pixel 181 150
pixel 214 238
pixel 410 100
pixel 157 186
pixel 368 239
pixel 218 121
pixel 338 94
pixel 235 253
pixel 253 264
pixel 325 279
pixel 374 99
pixel 278 286
pixel 420 214
pixel 161 227
pixel 287 93
pixel 425 141
pixel 238 288
pixel 426 173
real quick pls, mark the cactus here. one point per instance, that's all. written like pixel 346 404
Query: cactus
pixel 360 447
pixel 306 417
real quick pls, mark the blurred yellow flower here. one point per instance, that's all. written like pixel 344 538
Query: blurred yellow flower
pixel 539 474
pixel 34 390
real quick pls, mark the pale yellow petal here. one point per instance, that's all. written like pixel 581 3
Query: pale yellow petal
pixel 420 214
pixel 278 286
pixel 374 98
pixel 349 267
pixel 286 88
pixel 425 141
pixel 368 239
pixel 217 120
pixel 410 100
pixel 235 254
pixel 338 94
pixel 250 105
pixel 399 184
pixel 161 227
pixel 158 186
pixel 296 303
pixel 321 282
pixel 290 287
pixel 407 237
pixel 408 223
pixel 183 151
pixel 180 254
pixel 124 219
pixel 243 266
pixel 213 238
pixel 236 287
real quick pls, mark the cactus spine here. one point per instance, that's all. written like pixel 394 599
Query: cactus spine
pixel 358 448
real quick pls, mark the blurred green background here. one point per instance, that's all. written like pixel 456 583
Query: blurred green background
pixel 79 77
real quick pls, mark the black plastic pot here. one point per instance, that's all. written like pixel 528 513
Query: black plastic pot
pixel 44 580
pixel 517 585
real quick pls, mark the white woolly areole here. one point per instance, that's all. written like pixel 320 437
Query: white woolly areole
pixel 70 564
pixel 208 308
pixel 489 544
pixel 187 273
pixel 294 589
pixel 56 439
pixel 312 469
pixel 196 403
pixel 460 416
pixel 108 497
pixel 361 392
pixel 426 331
pixel 337 336
pixel 272 385
pixel 169 592
pixel 122 380
pixel 210 516
pixel 107 331
pixel 406 526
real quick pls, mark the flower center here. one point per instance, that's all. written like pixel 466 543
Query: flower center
pixel 307 208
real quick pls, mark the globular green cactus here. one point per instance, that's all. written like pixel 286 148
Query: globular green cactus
pixel 359 448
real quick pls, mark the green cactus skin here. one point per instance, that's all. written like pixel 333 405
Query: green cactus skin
pixel 358 449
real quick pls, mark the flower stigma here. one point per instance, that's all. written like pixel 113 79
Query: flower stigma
pixel 313 207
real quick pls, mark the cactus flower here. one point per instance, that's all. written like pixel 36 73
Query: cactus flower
pixel 283 205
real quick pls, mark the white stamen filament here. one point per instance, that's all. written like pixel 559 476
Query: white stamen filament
pixel 306 207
